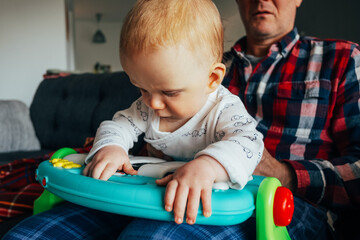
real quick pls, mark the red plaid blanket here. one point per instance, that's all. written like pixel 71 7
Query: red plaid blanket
pixel 18 188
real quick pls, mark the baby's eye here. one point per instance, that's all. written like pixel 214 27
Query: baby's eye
pixel 143 91
pixel 171 93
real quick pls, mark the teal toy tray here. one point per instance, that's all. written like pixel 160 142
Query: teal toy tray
pixel 139 196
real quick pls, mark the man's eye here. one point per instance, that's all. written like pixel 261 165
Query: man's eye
pixel 171 93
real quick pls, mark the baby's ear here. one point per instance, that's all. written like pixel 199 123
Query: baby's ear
pixel 216 76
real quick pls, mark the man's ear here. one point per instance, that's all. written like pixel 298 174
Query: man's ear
pixel 298 3
pixel 216 75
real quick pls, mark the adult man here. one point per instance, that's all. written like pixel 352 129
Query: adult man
pixel 304 93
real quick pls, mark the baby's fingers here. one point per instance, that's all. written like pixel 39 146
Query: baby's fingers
pixel 180 203
pixel 128 169
pixel 170 192
pixel 192 206
pixel 163 181
pixel 206 201
pixel 86 170
pixel 107 171
pixel 95 169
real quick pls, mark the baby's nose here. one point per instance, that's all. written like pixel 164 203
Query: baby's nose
pixel 156 103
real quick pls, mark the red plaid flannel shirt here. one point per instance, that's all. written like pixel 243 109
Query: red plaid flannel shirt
pixel 305 95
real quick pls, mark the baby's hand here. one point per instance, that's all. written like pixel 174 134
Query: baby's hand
pixel 190 183
pixel 107 161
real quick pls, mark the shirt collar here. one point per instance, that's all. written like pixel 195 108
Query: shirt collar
pixel 283 46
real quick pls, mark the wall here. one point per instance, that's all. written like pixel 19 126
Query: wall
pixel 233 27
pixel 32 40
pixel 321 18
pixel 329 19
pixel 88 53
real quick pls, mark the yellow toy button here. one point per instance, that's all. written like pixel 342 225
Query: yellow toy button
pixel 58 162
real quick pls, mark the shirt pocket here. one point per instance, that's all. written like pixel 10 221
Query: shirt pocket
pixel 301 107
pixel 309 89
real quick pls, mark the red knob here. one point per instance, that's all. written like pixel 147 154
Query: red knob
pixel 283 206
pixel 44 182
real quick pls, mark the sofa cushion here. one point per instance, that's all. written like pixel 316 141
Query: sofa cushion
pixel 67 110
pixel 16 129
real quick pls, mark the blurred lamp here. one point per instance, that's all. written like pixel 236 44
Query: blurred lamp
pixel 99 36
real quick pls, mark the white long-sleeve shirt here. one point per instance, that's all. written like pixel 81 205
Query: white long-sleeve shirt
pixel 222 129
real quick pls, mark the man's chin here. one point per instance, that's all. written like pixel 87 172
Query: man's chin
pixel 263 30
pixel 263 33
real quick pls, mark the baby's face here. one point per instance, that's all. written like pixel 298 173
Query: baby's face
pixel 172 81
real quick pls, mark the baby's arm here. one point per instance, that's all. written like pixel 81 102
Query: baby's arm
pixel 113 138
pixel 190 183
pixel 237 145
pixel 107 161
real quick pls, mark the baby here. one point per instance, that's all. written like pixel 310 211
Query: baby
pixel 172 51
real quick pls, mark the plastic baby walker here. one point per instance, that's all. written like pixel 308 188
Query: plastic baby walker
pixel 139 196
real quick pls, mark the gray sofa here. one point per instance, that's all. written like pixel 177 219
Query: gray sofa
pixel 64 112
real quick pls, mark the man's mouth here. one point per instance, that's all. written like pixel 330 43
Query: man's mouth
pixel 259 13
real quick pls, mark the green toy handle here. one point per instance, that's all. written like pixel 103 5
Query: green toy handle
pixel 48 200
pixel 63 152
pixel 266 229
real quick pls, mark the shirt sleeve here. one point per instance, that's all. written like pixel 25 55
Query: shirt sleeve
pixel 123 130
pixel 335 183
pixel 237 145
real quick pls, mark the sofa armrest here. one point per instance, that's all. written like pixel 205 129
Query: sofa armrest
pixel 16 129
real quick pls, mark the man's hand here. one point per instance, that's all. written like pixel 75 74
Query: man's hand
pixel 270 167
pixel 107 161
pixel 190 183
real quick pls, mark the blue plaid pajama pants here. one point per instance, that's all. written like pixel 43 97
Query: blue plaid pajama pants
pixel 70 221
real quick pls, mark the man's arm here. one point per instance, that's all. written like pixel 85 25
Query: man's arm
pixel 270 167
